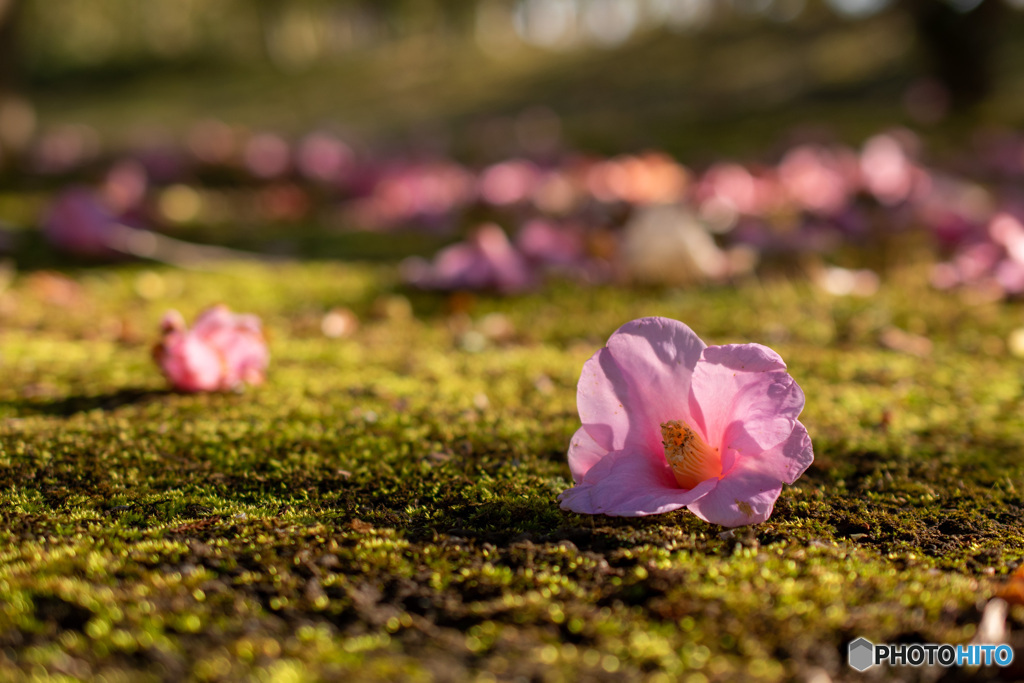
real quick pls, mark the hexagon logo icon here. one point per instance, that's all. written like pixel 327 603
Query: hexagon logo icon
pixel 862 654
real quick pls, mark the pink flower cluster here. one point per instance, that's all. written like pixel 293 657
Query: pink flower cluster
pixel 669 422
pixel 222 351
pixel 993 261
pixel 576 215
pixel 816 198
pixel 487 260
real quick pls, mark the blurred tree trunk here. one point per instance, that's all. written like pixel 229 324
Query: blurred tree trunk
pixel 9 60
pixel 959 46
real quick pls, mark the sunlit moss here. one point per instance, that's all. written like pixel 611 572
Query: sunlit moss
pixel 384 507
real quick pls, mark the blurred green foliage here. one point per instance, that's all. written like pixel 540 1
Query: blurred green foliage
pixel 60 37
pixel 737 74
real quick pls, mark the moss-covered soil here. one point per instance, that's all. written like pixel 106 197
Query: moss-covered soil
pixel 384 507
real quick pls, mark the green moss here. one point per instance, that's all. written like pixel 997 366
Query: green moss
pixel 384 507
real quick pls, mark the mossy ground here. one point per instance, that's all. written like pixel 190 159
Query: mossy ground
pixel 384 507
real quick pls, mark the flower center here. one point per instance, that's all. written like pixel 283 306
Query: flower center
pixel 692 460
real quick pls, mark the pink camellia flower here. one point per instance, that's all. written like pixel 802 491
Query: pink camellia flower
pixel 508 182
pixel 888 171
pixel 486 260
pixel 547 243
pixel 426 191
pixel 730 187
pixel 222 351
pixel 820 180
pixel 669 422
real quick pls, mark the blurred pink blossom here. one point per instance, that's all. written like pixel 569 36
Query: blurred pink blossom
pixel 559 193
pixel 267 156
pixel 888 171
pixel 970 265
pixel 323 158
pixel 1007 231
pixel 953 210
pixel 125 185
pixel 732 187
pixel 414 191
pixel 1009 275
pixel 547 243
pixel 222 351
pixel 998 260
pixel 818 179
pixel 669 422
pixel 78 222
pixel 509 182
pixel 650 178
pixel 486 260
pixel 163 163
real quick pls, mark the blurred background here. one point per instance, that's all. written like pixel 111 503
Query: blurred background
pixel 619 72
pixel 296 127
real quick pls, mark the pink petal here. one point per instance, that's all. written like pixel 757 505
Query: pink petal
pixel 629 484
pixel 547 243
pixel 744 400
pixel 249 322
pixel 245 356
pixel 787 461
pixel 584 453
pixel 601 397
pixel 213 319
pixel 460 265
pixel 640 380
pixel 191 365
pixel 509 270
pixel 172 322
pixel 744 496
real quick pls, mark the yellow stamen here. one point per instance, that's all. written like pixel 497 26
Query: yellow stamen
pixel 692 460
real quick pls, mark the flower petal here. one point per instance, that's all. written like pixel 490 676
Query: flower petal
pixel 212 320
pixel 640 380
pixel 787 461
pixel 747 493
pixel 627 484
pixel 601 395
pixel 744 496
pixel 744 400
pixel 191 365
pixel 584 453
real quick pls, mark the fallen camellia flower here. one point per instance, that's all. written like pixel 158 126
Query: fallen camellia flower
pixel 486 260
pixel 669 422
pixel 221 352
